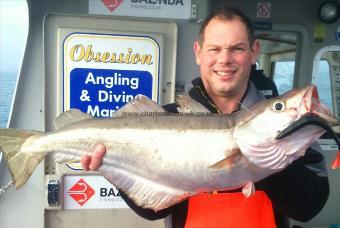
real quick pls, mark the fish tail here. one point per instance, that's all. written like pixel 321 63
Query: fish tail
pixel 20 164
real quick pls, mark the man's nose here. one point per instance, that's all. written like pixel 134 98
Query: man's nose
pixel 225 56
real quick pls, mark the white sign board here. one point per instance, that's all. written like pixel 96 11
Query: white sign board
pixel 175 9
pixel 102 72
pixel 89 192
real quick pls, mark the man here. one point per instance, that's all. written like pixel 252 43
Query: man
pixel 225 52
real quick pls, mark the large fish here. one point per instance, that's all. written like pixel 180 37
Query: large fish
pixel 159 159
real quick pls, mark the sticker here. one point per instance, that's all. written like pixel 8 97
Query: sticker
pixel 81 192
pixel 174 9
pixel 91 192
pixel 112 4
pixel 319 33
pixel 263 10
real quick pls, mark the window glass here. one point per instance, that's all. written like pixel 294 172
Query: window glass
pixel 257 64
pixel 323 81
pixel 13 35
pixel 283 75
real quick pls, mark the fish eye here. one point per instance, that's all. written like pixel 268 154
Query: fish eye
pixel 278 106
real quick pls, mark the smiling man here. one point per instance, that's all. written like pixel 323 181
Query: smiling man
pixel 225 53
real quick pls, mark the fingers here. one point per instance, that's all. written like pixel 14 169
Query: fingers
pixel 93 161
pixel 85 162
pixel 97 156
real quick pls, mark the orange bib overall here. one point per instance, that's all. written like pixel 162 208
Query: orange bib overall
pixel 230 210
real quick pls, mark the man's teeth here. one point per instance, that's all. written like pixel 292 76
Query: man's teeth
pixel 223 73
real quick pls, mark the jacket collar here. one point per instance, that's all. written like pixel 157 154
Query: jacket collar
pixel 197 91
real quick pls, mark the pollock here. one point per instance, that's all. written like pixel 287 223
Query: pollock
pixel 159 159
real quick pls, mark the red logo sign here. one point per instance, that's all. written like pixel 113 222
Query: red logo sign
pixel 81 192
pixel 112 4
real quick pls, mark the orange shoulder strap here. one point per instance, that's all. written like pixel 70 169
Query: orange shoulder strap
pixel 230 210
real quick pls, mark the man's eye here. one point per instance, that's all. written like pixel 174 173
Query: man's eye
pixel 238 49
pixel 213 50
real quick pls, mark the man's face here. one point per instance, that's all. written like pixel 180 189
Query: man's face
pixel 225 58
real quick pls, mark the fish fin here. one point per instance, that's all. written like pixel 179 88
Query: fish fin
pixel 228 161
pixel 139 104
pixel 188 105
pixel 70 116
pixel 336 162
pixel 21 165
pixel 140 189
pixel 249 189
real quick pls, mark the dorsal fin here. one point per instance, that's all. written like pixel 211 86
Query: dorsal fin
pixel 139 104
pixel 70 116
pixel 188 105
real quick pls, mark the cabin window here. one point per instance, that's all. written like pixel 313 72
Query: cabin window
pixel 277 56
pixel 322 80
pixel 13 35
pixel 283 75
pixel 326 76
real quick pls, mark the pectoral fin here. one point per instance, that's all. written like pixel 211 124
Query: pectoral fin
pixel 232 157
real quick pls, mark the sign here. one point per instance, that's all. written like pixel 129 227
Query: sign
pixel 174 9
pixel 263 10
pixel 112 4
pixel 90 192
pixel 102 72
pixel 319 33
pixel 81 192
pixel 263 25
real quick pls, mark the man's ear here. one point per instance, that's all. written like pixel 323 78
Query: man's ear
pixel 197 49
pixel 255 51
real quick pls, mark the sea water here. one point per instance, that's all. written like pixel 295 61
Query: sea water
pixel 7 83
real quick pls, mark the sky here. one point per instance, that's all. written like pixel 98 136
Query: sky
pixel 13 33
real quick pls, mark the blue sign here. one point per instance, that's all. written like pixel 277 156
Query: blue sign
pixel 100 92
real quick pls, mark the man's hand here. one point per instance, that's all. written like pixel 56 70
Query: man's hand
pixel 93 161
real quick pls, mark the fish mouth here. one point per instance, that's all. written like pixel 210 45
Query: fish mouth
pixel 312 112
pixel 310 119
pixel 312 105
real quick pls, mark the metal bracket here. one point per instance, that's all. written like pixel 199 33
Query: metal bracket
pixel 53 192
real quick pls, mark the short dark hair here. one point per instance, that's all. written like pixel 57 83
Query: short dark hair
pixel 229 13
